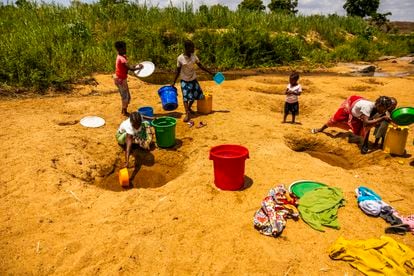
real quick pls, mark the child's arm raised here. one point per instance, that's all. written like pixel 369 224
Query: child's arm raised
pixel 134 67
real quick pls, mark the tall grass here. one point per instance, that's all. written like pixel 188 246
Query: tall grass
pixel 50 45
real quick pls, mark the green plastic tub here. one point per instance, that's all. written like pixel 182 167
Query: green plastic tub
pixel 164 131
pixel 299 188
pixel 403 116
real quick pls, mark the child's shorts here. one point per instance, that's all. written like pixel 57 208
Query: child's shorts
pixel 292 108
pixel 191 90
pixel 123 89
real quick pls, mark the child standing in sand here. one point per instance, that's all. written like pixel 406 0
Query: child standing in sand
pixel 189 85
pixel 121 74
pixel 293 90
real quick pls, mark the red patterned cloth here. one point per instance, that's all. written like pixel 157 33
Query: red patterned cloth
pixel 279 205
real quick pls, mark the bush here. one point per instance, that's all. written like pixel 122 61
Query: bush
pixel 51 46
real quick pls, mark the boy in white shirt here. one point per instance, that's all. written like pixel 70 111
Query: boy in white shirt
pixel 189 85
pixel 293 90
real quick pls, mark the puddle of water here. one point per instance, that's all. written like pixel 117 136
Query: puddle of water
pixel 381 74
pixel 166 78
pixel 396 74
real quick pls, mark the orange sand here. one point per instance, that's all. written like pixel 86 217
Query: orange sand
pixel 62 210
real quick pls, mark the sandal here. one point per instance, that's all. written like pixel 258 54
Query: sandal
pixel 314 130
pixel 201 124
pixel 399 229
pixel 190 123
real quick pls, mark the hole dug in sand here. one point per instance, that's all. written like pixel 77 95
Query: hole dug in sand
pixel 156 168
pixel 331 151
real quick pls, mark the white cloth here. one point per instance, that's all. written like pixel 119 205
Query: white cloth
pixel 127 127
pixel 362 107
pixel 293 98
pixel 372 207
pixel 187 64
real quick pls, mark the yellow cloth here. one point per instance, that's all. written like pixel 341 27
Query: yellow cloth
pixel 383 256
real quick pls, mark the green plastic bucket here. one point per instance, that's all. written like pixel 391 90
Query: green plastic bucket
pixel 165 131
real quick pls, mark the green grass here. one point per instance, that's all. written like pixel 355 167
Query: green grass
pixel 43 46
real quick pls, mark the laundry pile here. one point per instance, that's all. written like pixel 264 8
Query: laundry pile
pixel 317 204
pixel 276 207
pixel 372 204
pixel 319 207
pixel 383 256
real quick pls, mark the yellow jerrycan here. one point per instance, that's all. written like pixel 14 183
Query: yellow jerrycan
pixel 205 106
pixel 396 139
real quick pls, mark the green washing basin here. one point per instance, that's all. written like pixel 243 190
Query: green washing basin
pixel 299 188
pixel 403 116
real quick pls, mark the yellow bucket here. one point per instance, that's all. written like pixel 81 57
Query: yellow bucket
pixel 124 177
pixel 205 106
pixel 395 139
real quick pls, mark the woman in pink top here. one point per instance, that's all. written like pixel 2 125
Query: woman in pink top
pixel 121 74
pixel 355 114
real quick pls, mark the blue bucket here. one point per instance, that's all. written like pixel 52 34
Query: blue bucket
pixel 146 111
pixel 168 95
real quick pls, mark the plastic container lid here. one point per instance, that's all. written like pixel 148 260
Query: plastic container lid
pixel 92 121
pixel 147 69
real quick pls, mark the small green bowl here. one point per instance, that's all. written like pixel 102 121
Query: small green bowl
pixel 301 187
pixel 403 116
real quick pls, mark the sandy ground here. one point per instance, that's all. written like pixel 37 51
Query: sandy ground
pixel 62 210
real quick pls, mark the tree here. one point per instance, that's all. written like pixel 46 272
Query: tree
pixel 284 6
pixel 252 5
pixel 203 9
pixel 381 21
pixel 361 8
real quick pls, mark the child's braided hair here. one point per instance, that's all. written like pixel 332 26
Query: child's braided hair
pixel 294 76
pixel 135 117
pixel 384 101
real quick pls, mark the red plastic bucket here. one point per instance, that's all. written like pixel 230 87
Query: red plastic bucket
pixel 228 161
